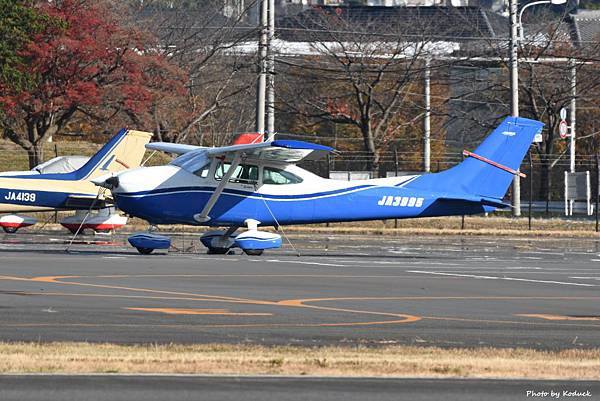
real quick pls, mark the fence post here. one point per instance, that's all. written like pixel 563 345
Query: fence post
pixel 396 175
pixel 55 155
pixel 530 186
pixel 597 188
pixel 462 222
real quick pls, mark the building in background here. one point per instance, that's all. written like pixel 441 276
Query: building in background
pixel 292 7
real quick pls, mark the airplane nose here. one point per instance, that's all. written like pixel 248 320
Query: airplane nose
pixel 108 181
pixel 134 191
pixel 141 179
pixel 125 182
pixel 112 182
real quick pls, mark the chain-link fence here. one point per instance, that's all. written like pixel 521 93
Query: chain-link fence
pixel 390 163
pixel 539 174
pixel 14 158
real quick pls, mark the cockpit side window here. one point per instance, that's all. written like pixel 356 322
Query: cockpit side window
pixel 275 176
pixel 244 173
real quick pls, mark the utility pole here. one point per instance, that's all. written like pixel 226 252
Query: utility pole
pixel 573 114
pixel 427 118
pixel 262 77
pixel 514 88
pixel 271 74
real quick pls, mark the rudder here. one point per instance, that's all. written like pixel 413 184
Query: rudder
pixel 507 145
pixel 124 151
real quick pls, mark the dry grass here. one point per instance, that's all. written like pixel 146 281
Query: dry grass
pixel 474 225
pixel 496 225
pixel 282 360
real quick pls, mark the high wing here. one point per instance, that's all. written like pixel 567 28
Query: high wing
pixel 176 148
pixel 284 150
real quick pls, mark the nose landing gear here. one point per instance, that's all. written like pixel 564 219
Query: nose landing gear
pixel 146 242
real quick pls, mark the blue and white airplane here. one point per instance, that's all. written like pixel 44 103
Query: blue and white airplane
pixel 259 184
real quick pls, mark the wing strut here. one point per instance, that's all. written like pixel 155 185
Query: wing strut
pixel 203 216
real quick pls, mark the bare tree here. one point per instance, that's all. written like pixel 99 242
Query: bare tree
pixel 363 68
pixel 481 92
pixel 198 40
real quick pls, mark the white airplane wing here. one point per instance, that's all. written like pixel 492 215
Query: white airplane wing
pixel 176 148
pixel 286 151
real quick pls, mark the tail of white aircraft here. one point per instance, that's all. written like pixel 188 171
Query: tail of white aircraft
pixel 124 151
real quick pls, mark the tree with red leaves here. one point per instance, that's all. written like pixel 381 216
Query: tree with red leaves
pixel 83 61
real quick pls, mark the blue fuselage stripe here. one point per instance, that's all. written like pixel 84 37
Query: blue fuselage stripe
pixel 366 202
pixel 37 198
pixel 161 191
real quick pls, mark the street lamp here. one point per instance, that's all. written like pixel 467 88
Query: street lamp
pixel 535 3
pixel 514 79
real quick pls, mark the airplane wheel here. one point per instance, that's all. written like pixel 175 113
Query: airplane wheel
pixel 145 251
pixel 217 251
pixel 10 230
pixel 254 252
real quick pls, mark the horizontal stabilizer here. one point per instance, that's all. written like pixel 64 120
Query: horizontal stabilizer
pixel 84 202
pixel 479 200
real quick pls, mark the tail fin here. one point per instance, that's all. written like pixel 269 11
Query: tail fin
pixel 506 146
pixel 124 151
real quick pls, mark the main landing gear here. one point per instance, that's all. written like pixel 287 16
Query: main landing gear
pixel 11 223
pixel 217 242
pixel 253 242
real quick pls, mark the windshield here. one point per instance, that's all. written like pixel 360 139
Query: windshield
pixel 192 161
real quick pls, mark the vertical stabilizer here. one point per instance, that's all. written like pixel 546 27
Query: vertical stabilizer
pixel 506 146
pixel 124 151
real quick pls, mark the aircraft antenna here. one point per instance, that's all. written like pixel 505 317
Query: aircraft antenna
pixel 279 226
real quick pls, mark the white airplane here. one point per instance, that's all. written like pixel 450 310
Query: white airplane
pixel 64 183
pixel 259 184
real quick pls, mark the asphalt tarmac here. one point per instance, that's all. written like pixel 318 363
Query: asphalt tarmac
pixel 159 388
pixel 442 291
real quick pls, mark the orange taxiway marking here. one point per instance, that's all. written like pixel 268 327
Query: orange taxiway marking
pixel 289 303
pixel 56 280
pixel 301 303
pixel 559 317
pixel 176 311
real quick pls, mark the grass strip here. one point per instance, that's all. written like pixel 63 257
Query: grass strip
pixel 397 361
pixel 474 226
